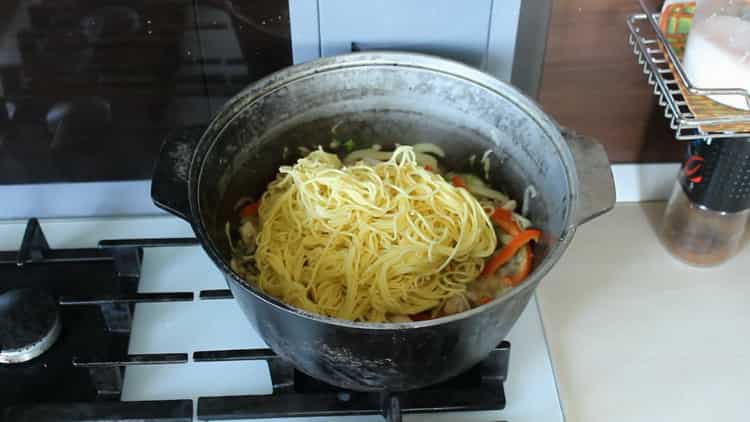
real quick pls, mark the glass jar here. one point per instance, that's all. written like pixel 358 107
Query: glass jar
pixel 706 217
pixel 699 236
pixel 717 54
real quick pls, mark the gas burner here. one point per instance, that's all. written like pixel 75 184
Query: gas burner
pixel 82 376
pixel 29 324
pixel 76 373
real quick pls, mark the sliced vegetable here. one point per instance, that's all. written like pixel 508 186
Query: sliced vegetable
pixel 484 299
pixel 522 221
pixel 507 252
pixel 248 233
pixel 486 163
pixel 525 269
pixel 477 186
pixel 249 210
pixel 361 154
pixel 398 318
pixel 458 182
pixel 422 316
pixel 430 149
pixel 349 145
pixel 528 194
pixel 428 167
pixel 228 233
pixel 504 219
pixel 427 160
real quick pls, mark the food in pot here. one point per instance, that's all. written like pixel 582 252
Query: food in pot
pixel 381 237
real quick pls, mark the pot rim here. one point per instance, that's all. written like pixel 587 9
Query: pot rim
pixel 234 107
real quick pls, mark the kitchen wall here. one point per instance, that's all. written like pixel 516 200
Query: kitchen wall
pixel 592 82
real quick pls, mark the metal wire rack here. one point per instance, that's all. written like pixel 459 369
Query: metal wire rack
pixel 664 71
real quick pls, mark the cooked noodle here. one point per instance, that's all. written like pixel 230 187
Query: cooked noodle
pixel 362 242
pixel 381 237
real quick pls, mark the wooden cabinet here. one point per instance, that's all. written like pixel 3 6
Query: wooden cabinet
pixel 592 82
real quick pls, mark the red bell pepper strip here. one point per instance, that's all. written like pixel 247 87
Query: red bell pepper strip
pixel 422 316
pixel 249 210
pixel 457 182
pixel 507 252
pixel 525 269
pixel 504 219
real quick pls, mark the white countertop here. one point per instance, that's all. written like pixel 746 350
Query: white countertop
pixel 636 335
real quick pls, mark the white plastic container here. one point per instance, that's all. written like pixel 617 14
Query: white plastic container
pixel 717 54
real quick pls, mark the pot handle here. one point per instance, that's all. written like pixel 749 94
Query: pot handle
pixel 169 186
pixel 597 186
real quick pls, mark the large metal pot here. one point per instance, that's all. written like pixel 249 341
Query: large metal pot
pixel 383 98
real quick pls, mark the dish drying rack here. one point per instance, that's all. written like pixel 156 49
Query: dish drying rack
pixel 673 88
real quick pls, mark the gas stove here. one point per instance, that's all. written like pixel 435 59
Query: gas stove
pixel 127 319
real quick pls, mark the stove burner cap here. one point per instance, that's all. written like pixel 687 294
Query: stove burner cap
pixel 29 324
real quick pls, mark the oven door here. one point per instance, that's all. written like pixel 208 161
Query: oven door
pixel 90 90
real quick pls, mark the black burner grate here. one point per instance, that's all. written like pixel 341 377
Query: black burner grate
pixel 296 394
pixel 80 377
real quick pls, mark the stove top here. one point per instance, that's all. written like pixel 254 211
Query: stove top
pixel 146 331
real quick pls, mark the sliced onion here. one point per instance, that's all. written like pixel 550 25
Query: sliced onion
pixel 522 221
pixel 477 186
pixel 427 160
pixel 370 153
pixel 430 149
pixel 361 154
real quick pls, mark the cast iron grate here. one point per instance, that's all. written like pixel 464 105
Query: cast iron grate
pixel 298 395
pixel 80 377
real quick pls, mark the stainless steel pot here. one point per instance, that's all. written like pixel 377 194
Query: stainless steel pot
pixel 383 98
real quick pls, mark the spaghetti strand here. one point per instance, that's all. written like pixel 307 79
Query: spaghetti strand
pixel 363 241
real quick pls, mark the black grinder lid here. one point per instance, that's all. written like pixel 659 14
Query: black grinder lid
pixel 716 174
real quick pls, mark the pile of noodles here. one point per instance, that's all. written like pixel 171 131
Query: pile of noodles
pixel 369 240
